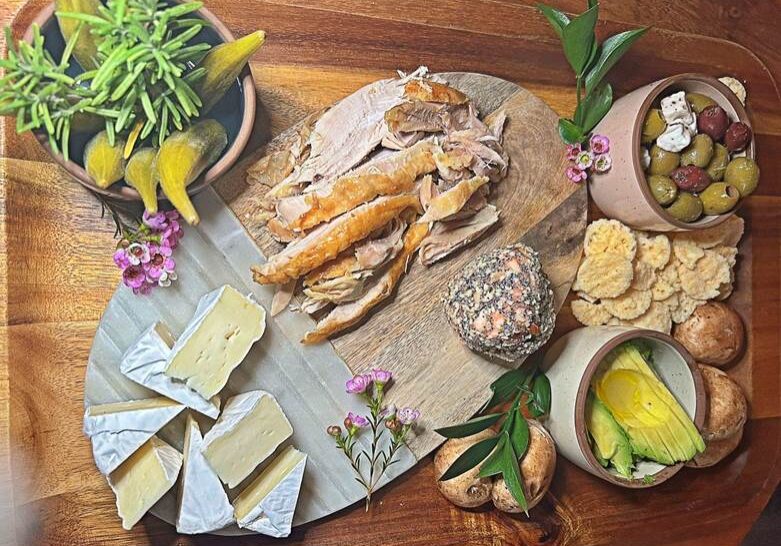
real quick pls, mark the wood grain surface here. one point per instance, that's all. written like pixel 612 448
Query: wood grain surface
pixel 409 333
pixel 58 274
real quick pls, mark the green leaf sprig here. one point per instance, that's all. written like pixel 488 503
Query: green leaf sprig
pixel 38 91
pixel 528 390
pixel 590 61
pixel 144 69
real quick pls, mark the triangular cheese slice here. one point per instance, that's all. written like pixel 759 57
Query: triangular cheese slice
pixel 218 337
pixel 117 430
pixel 145 362
pixel 250 428
pixel 203 505
pixel 143 479
pixel 268 503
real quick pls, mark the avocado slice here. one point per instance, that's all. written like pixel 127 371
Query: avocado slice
pixel 657 426
pixel 611 443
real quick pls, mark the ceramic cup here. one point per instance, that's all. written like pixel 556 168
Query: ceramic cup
pixel 235 111
pixel 622 192
pixel 570 364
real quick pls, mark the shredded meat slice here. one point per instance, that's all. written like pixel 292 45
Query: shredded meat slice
pixel 447 237
pixel 450 202
pixel 282 297
pixel 431 91
pixel 327 241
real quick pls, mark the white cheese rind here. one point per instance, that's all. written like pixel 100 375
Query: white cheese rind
pixel 118 430
pixel 203 504
pixel 218 337
pixel 250 428
pixel 273 514
pixel 145 362
pixel 143 479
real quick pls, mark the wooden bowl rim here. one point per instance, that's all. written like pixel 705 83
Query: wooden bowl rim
pixel 658 88
pixel 226 161
pixel 583 388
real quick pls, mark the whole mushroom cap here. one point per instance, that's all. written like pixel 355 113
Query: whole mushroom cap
pixel 713 334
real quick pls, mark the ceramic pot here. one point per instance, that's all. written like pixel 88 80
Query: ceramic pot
pixel 622 192
pixel 570 364
pixel 235 111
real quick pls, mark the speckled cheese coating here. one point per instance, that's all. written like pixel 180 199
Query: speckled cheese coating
pixel 501 304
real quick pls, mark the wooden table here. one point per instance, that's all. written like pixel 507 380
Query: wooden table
pixel 58 274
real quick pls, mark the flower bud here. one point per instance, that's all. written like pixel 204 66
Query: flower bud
pixel 335 431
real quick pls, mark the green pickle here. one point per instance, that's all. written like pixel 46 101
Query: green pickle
pixel 687 207
pixel 662 161
pixel 743 173
pixel 223 64
pixel 699 152
pixel 719 198
pixel 653 126
pixel 663 189
pixel 183 156
pixel 141 174
pixel 104 162
pixel 699 102
pixel 718 163
pixel 86 48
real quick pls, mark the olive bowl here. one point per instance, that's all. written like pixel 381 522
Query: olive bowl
pixel 622 192
pixel 570 364
pixel 235 111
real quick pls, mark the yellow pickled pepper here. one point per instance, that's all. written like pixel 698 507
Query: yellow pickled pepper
pixel 86 49
pixel 141 174
pixel 182 158
pixel 223 64
pixel 103 162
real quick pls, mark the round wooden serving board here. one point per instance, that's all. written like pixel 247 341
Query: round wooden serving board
pixel 434 371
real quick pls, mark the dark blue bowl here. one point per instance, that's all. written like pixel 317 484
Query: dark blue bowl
pixel 235 111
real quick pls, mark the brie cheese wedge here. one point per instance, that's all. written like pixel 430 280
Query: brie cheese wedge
pixel 218 337
pixel 249 430
pixel 268 503
pixel 145 362
pixel 117 430
pixel 144 478
pixel 203 504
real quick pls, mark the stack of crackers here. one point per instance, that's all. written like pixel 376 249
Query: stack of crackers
pixel 647 280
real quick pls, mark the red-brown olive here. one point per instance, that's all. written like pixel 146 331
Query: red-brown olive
pixel 737 137
pixel 713 121
pixel 690 178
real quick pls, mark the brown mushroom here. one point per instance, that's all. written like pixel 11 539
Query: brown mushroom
pixel 467 490
pixel 713 334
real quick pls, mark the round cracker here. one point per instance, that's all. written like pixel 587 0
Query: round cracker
pixel 628 305
pixel 670 274
pixel 685 307
pixel 644 276
pixel 657 317
pixel 610 236
pixel 729 253
pixel 703 282
pixel 655 251
pixel 590 314
pixel 661 289
pixel 604 275
pixel 687 252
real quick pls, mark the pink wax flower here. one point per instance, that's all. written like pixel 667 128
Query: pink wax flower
pixel 602 163
pixel 576 175
pixel 159 261
pixel 584 160
pixel 381 377
pixel 358 420
pixel 158 221
pixel 121 259
pixel 134 277
pixel 408 416
pixel 358 384
pixel 599 144
pixel 572 151
pixel 138 253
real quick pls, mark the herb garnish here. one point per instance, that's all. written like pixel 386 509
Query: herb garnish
pixel 530 393
pixel 590 61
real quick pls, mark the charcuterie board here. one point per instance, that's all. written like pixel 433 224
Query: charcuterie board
pixel 410 336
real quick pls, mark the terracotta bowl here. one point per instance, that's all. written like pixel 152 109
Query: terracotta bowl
pixel 570 364
pixel 622 192
pixel 235 111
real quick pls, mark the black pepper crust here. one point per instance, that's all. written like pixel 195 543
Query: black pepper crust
pixel 501 304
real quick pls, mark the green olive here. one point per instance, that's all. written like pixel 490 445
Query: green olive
pixel 662 161
pixel 699 152
pixel 686 207
pixel 718 163
pixel 653 126
pixel 719 198
pixel 743 173
pixel 699 101
pixel 663 188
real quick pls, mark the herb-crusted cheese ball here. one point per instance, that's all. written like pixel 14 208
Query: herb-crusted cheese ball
pixel 501 304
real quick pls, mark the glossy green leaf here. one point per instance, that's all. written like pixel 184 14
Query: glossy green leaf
pixel 495 464
pixel 557 19
pixel 506 387
pixel 598 102
pixel 473 426
pixel 542 395
pixel 519 435
pixel 610 52
pixel 470 458
pixel 569 132
pixel 578 39
pixel 512 477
